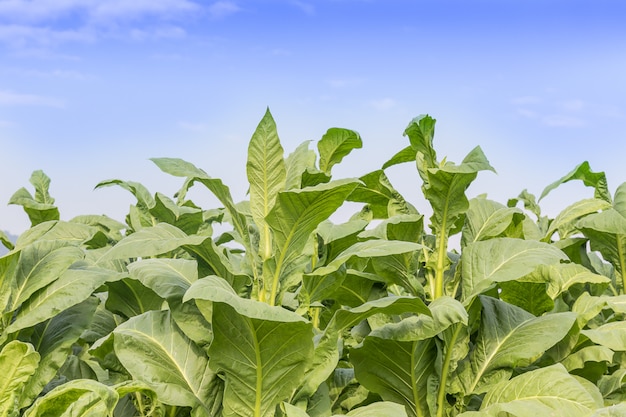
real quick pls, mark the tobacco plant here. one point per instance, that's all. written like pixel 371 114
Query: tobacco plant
pixel 289 314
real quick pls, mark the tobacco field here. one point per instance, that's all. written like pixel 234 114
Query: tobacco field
pixel 284 313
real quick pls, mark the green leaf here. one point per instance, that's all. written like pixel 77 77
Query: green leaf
pixel 154 350
pixel 560 277
pixel 381 198
pixel 6 242
pixel 543 392
pixel 486 219
pixel 71 234
pixel 151 241
pixel 397 371
pixel 78 398
pixel 565 221
pixel 504 328
pixel 129 297
pixel 41 208
pixel 378 409
pixel 531 296
pixel 611 335
pixel 74 286
pixel 335 145
pixel 53 340
pixel 40 264
pixel 583 172
pixel 187 219
pixel 607 234
pixel 295 216
pixel 169 278
pixel 266 175
pixel 503 259
pixel 298 162
pixel 617 410
pixel 405 155
pixel 18 362
pixel 579 360
pixel 261 350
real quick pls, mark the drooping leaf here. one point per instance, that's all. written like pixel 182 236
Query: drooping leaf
pixel 611 335
pixel 129 297
pixel 64 233
pixel 380 196
pixel 39 208
pixel 565 221
pixel 5 241
pixel 169 278
pixel 18 362
pixel 187 219
pixel 266 175
pixel 151 241
pixel 301 159
pixel 335 145
pixel 503 259
pixel 154 350
pixel 486 219
pixel 78 398
pixel 583 172
pixel 74 286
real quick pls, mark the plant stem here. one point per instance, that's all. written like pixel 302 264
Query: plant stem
pixel 445 368
pixel 442 253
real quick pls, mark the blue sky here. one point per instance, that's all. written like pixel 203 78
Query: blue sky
pixel 90 89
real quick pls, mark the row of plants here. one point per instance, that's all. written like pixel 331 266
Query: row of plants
pixel 288 314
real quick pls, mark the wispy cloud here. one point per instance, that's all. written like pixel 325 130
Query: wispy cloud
pixel 9 98
pixel 383 104
pixel 56 73
pixel 559 120
pixel 221 9
pixel 19 35
pixel 551 111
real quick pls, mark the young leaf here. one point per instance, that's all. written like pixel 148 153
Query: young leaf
pixel 266 175
pixel 41 208
pixel 335 145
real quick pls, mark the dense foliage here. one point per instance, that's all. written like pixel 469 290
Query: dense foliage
pixel 288 314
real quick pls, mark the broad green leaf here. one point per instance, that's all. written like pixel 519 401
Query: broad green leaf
pixel 531 296
pixel 580 358
pixel 397 371
pixel 611 335
pixel 78 398
pixel 529 201
pixel 187 219
pixel 125 389
pixel 266 174
pixel 53 341
pixel 549 391
pixel 145 200
pixel 154 350
pixel 583 172
pixel 261 350
pixel 67 233
pixel 129 297
pixel 295 216
pixel 326 353
pixel 607 233
pixel 74 286
pixel 18 362
pixel 445 311
pixel 335 145
pixel 503 259
pixel 8 267
pixel 178 167
pixel 613 385
pixel 380 196
pixel 560 277
pixel 421 131
pixel 40 264
pixel 169 278
pixel 152 241
pixel 617 410
pixel 213 261
pixel 504 328
pixel 338 237
pixel 377 409
pixel 565 221
pixel 301 159
pixel 486 219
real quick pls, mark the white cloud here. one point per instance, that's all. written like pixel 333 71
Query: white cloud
pixel 19 35
pixel 164 32
pixel 9 98
pixel 526 100
pixel 573 105
pixel 223 8
pixel 559 120
pixel 383 104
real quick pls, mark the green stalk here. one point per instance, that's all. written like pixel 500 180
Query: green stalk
pixel 172 411
pixel 445 368
pixel 418 410
pixel 442 253
pixel 622 261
